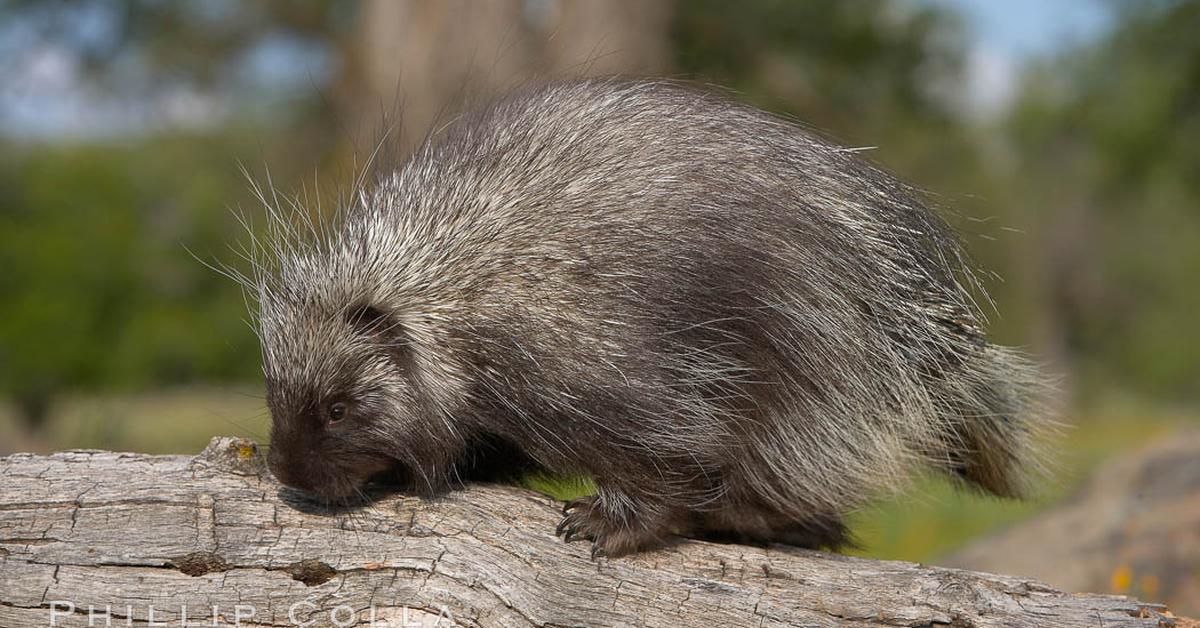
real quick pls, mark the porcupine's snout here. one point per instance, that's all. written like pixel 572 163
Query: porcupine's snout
pixel 318 469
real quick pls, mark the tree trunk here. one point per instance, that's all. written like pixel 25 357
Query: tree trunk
pixel 87 536
pixel 426 59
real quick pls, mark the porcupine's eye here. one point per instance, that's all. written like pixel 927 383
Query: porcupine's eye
pixel 337 412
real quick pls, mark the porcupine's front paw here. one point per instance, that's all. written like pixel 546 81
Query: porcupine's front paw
pixel 585 518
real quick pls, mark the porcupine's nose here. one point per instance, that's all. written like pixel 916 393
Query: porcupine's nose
pixel 288 472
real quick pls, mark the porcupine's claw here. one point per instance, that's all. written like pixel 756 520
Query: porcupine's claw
pixel 611 537
pixel 583 520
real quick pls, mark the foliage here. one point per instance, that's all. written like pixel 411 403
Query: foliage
pixel 1110 163
pixel 853 68
pixel 99 289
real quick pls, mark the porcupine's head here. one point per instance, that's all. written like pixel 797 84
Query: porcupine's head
pixel 358 375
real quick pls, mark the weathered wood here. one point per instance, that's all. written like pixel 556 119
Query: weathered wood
pixel 136 534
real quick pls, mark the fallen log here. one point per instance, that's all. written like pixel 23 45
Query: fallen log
pixel 91 538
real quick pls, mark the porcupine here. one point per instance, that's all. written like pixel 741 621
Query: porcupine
pixel 735 328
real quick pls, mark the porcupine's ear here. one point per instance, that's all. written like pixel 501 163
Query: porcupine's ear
pixel 366 318
pixel 377 324
pixel 418 344
pixel 435 361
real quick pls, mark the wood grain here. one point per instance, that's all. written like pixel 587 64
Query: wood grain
pixel 121 536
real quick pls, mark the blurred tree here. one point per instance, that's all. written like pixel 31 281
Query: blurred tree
pixel 97 287
pixel 858 69
pixel 435 56
pixel 1109 168
pixel 142 46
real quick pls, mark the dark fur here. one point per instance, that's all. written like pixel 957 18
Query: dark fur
pixel 736 329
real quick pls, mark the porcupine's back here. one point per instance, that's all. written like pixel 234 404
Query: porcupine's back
pixel 680 274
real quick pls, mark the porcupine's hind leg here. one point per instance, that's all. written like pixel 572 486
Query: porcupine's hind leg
pixel 755 524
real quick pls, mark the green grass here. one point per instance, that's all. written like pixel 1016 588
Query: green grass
pixel 930 519
pixel 559 488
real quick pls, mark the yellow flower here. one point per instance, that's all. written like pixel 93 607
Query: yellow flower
pixel 1121 578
